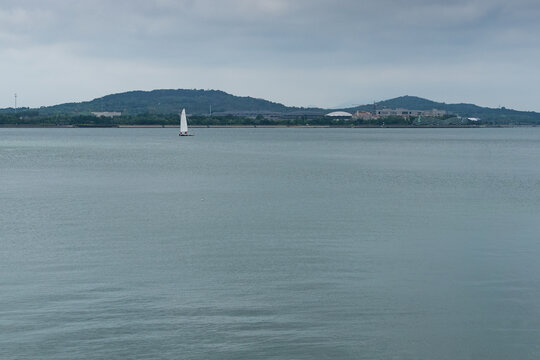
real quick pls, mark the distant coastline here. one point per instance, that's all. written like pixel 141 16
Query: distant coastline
pixel 216 108
pixel 390 126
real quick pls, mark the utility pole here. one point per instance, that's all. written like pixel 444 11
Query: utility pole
pixel 15 101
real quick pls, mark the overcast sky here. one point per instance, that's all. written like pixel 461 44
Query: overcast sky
pixel 297 52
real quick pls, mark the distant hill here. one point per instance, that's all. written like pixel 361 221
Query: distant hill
pixel 198 102
pixel 170 101
pixel 496 115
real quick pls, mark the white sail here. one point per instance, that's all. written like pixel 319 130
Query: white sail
pixel 183 123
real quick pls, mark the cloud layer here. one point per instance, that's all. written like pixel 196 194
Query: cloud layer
pixel 299 52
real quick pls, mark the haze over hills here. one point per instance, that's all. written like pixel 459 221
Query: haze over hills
pixel 201 102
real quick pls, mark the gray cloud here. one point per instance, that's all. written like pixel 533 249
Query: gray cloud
pixel 482 51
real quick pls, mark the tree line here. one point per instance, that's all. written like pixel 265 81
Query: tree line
pixel 34 118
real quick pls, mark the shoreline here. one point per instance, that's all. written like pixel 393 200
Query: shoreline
pixel 10 126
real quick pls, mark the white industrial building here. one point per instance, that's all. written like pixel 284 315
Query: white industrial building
pixel 340 114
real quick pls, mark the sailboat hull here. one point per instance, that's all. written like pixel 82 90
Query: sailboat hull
pixel 185 135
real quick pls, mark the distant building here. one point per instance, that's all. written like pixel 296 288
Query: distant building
pixel 107 114
pixel 406 112
pixel 435 112
pixel 363 115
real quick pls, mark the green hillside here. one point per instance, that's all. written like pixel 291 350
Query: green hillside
pixel 168 102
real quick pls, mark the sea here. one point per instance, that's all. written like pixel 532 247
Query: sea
pixel 253 243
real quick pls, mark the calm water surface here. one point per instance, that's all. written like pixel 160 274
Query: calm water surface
pixel 270 244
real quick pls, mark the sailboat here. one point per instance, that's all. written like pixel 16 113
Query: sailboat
pixel 183 124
